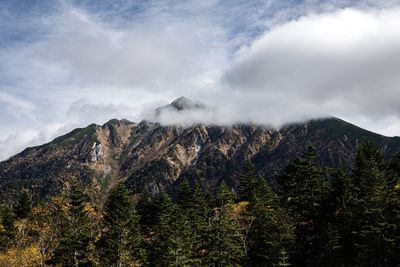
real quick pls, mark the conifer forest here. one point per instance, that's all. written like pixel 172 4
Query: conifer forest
pixel 311 216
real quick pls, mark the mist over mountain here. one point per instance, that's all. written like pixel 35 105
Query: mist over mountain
pixel 159 155
pixel 281 147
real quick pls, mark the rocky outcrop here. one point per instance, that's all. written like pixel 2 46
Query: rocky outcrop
pixel 153 156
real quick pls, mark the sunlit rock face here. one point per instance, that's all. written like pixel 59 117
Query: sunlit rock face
pixel 155 156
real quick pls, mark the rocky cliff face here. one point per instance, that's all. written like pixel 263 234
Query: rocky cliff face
pixel 90 154
pixel 149 155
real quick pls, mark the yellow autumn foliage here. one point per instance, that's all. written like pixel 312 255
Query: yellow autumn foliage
pixel 21 257
pixel 239 208
pixel 397 186
pixel 89 209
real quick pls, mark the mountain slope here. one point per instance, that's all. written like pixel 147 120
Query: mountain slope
pixel 89 154
pixel 154 156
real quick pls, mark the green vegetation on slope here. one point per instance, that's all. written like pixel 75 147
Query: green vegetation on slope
pixel 350 219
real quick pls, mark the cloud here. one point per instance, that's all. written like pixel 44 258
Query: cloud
pixel 343 63
pixel 15 106
pixel 65 64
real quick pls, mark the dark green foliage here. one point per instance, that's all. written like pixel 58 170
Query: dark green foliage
pixel 271 230
pixel 171 246
pixel 76 232
pixel 7 227
pixel 224 195
pixel 374 190
pixel 146 210
pixel 395 164
pixel 247 182
pixel 340 199
pixel 23 206
pixel 305 194
pixel 318 217
pixel 120 241
pixel 224 246
pixel 75 136
pixel 194 208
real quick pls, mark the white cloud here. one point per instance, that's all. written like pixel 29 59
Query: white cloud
pixel 87 63
pixel 344 63
pixel 15 106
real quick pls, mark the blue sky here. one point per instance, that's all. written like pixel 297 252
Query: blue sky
pixel 65 64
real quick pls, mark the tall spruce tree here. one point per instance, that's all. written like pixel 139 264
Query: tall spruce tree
pixel 373 232
pixel 146 209
pixel 224 245
pixel 7 227
pixel 304 194
pixel 247 182
pixel 171 246
pixel 340 248
pixel 271 232
pixel 76 232
pixel 23 206
pixel 193 204
pixel 224 195
pixel 393 210
pixel 120 242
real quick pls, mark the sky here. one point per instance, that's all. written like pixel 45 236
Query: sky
pixel 65 64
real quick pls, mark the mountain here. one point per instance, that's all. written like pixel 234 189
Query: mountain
pixel 150 155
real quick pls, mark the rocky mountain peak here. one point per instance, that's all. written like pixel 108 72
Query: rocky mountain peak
pixel 181 104
pixel 184 103
pixel 156 156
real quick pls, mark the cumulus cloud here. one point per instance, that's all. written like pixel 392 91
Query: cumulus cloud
pixel 68 64
pixel 343 63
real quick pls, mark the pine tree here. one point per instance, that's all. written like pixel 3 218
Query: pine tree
pixel 146 210
pixel 7 227
pixel 171 246
pixel 340 248
pixel 76 233
pixel 373 231
pixel 24 205
pixel 247 182
pixel 224 246
pixel 271 230
pixel 120 240
pixel 393 210
pixel 395 164
pixel 184 194
pixel 304 194
pixel 283 258
pixel 224 195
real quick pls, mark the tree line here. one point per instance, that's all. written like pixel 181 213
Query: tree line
pixel 316 216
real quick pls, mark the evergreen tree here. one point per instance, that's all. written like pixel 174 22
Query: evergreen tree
pixel 24 205
pixel 283 258
pixel 7 227
pixel 224 245
pixel 146 210
pixel 340 248
pixel 373 232
pixel 76 233
pixel 120 240
pixel 271 230
pixel 304 193
pixel 184 194
pixel 224 195
pixel 247 182
pixel 171 246
pixel 393 210
pixel 395 164
pixel 194 207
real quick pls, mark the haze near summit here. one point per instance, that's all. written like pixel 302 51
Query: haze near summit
pixel 65 64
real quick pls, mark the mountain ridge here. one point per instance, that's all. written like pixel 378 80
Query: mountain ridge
pixel 150 155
